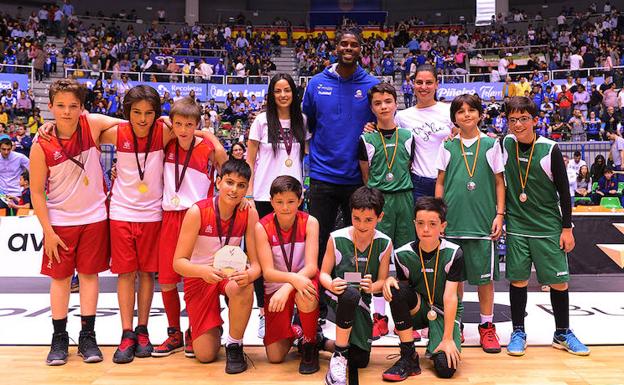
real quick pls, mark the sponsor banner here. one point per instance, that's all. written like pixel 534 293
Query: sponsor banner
pixel 21 247
pixel 7 79
pixel 160 59
pixel 220 91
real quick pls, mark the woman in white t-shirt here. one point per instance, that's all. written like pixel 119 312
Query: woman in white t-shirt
pixel 430 121
pixel 276 146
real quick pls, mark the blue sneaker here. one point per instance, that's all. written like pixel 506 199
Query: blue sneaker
pixel 517 343
pixel 570 343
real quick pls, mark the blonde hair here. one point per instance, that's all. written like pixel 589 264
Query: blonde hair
pixel 186 107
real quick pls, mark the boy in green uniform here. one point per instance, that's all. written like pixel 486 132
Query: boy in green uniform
pixel 355 265
pixel 385 157
pixel 429 272
pixel 470 179
pixel 539 224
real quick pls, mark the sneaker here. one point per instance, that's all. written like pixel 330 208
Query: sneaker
pixel 75 284
pixel 188 344
pixel 517 343
pixel 406 366
pixel 570 343
pixel 488 338
pixel 88 348
pixel 173 343
pixel 261 325
pixel 309 358
pixel 415 334
pixel 126 349
pixel 59 349
pixel 380 326
pixel 144 347
pixel 337 371
pixel 235 360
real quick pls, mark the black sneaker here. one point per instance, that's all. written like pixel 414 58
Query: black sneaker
pixel 126 349
pixel 59 349
pixel 144 347
pixel 88 348
pixel 406 366
pixel 309 358
pixel 235 361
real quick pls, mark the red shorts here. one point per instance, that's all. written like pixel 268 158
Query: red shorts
pixel 278 324
pixel 170 230
pixel 88 251
pixel 202 304
pixel 134 246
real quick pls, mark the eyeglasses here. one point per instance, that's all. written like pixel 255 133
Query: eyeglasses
pixel 522 119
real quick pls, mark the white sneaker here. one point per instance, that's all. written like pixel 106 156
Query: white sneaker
pixel 261 327
pixel 337 372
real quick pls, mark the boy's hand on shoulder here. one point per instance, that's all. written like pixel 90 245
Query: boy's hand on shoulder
pixel 245 203
pixel 369 127
pixel 45 131
pixel 387 288
pixel 338 286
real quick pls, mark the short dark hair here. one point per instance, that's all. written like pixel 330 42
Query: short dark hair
pixel 577 153
pixel 381 88
pixel 428 203
pixel 521 104
pixel 68 85
pixel 348 31
pixel 473 101
pixel 608 169
pixel 6 141
pixel 365 198
pixel 236 166
pixel 138 93
pixel 26 176
pixel 286 183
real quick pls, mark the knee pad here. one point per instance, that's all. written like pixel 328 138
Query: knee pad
pixel 441 366
pixel 347 305
pixel 358 358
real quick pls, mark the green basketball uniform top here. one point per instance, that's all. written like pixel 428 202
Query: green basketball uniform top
pixel 345 261
pixel 470 213
pixel 540 215
pixel 450 268
pixel 378 168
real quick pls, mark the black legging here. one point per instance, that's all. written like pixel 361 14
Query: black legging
pixel 263 208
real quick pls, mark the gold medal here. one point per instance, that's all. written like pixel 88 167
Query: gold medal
pixel 142 187
pixel 85 180
pixel 432 315
pixel 288 162
pixel 175 201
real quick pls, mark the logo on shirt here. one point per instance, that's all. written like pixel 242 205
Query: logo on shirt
pixel 126 145
pixel 427 270
pixel 57 155
pixel 208 229
pixel 468 153
pixel 274 239
pixel 358 94
pixel 324 90
pixel 170 156
pixel 523 159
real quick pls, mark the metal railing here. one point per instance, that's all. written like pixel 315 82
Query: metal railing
pixel 216 52
pixel 29 69
pixel 165 77
pixel 588 150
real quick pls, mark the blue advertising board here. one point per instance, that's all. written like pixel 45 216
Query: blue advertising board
pixel 160 59
pixel 6 80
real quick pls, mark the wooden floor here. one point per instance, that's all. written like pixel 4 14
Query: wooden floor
pixel 541 365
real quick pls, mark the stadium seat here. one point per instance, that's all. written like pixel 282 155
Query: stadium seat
pixel 611 203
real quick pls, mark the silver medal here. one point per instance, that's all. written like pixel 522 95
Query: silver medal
pixel 389 177
pixel 471 186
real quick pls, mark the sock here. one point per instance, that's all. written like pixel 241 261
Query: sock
pixel 407 349
pixel 60 325
pixel 518 300
pixel 229 341
pixel 560 301
pixel 486 318
pixel 171 300
pixel 88 322
pixel 309 323
pixel 379 305
pixel 342 350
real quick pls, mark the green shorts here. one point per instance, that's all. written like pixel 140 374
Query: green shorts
pixel 362 329
pixel 480 260
pixel 551 263
pixel 398 220
pixel 436 327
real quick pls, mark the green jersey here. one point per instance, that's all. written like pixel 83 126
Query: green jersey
pixel 540 214
pixel 471 200
pixel 397 178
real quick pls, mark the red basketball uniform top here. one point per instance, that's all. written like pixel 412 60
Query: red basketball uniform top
pixel 198 182
pixel 208 241
pixel 75 196
pixel 279 263
pixel 129 203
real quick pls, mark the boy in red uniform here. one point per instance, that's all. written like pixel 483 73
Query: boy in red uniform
pixel 287 246
pixel 208 226
pixel 73 216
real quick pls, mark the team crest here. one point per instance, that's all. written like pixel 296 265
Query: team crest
pixel 57 155
pixel 208 229
pixel 358 94
pixel 126 145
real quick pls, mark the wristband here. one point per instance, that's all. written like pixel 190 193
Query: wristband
pixel 249 196
pixel 503 214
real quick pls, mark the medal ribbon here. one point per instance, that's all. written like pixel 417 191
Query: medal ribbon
pixel 230 226
pixel 80 162
pixel 147 149
pixel 524 181
pixel 389 163
pixel 474 162
pixel 278 229
pixel 430 294
pixel 355 254
pixel 287 139
pixel 180 177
